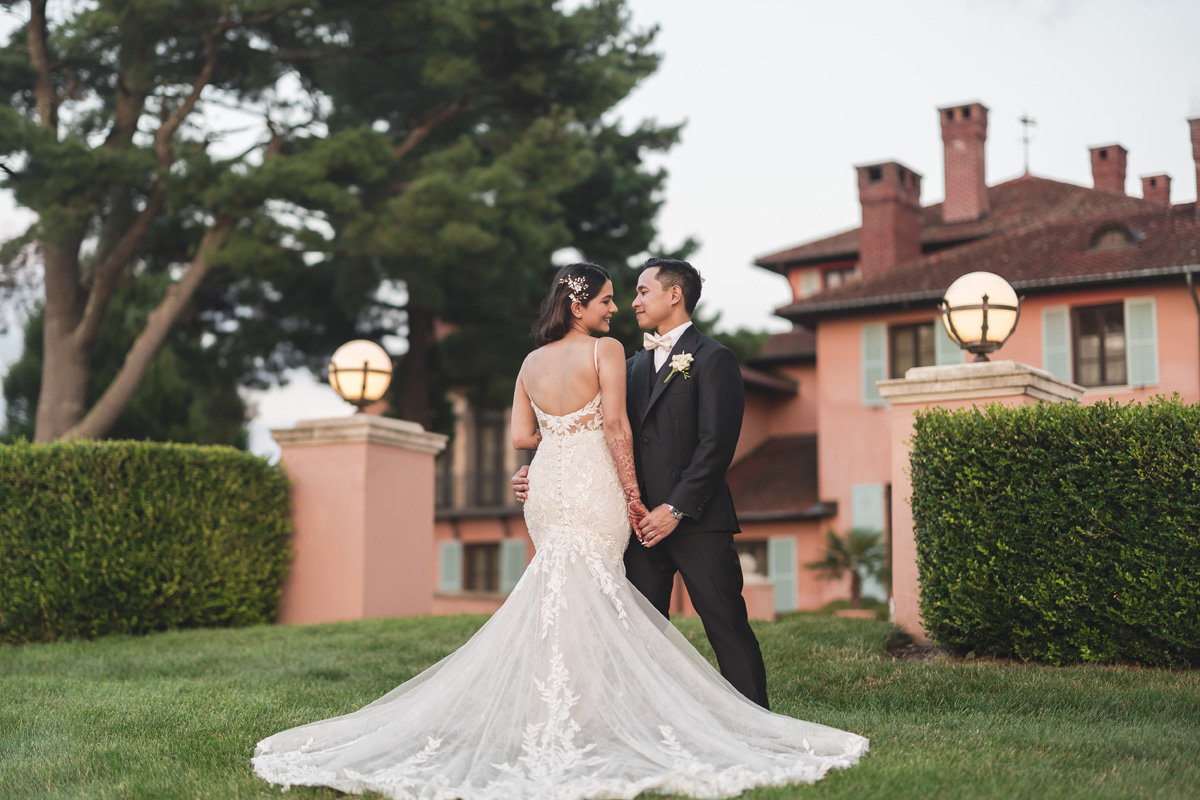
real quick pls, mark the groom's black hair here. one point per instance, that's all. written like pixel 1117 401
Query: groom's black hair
pixel 672 272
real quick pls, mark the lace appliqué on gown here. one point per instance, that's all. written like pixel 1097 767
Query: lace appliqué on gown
pixel 576 688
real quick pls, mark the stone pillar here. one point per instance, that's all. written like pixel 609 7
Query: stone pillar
pixel 954 386
pixel 362 508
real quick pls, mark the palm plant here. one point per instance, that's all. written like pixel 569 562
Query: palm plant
pixel 859 552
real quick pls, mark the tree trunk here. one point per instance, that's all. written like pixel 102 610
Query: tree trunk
pixel 64 381
pixel 855 589
pixel 116 397
pixel 63 396
pixel 414 394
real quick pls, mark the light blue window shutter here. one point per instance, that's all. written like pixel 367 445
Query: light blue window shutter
pixel 451 563
pixel 946 351
pixel 512 563
pixel 1141 342
pixel 1056 342
pixel 867 512
pixel 866 506
pixel 781 569
pixel 874 361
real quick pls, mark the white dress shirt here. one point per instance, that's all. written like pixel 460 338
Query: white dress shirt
pixel 660 356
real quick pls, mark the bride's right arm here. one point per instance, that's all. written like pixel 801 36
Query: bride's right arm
pixel 523 425
pixel 616 420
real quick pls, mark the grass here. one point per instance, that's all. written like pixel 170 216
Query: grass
pixel 176 715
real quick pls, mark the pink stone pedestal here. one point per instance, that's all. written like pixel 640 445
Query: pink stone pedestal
pixel 362 507
pixel 954 386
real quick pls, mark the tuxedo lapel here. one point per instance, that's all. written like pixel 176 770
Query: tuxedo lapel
pixel 686 344
pixel 641 375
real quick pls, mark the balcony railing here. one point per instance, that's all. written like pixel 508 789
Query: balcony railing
pixel 475 489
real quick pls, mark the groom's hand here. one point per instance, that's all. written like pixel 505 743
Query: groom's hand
pixel 520 484
pixel 657 525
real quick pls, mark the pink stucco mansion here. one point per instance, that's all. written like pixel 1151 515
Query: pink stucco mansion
pixel 1111 303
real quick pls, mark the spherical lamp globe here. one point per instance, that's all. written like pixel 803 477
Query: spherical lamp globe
pixel 360 372
pixel 980 311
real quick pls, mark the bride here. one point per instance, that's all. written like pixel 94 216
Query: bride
pixel 576 687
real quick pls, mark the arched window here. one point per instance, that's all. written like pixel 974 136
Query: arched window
pixel 1112 236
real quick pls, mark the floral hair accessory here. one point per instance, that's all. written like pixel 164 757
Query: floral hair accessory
pixel 577 286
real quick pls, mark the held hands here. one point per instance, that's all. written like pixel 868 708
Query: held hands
pixel 656 526
pixel 651 527
pixel 636 510
pixel 520 484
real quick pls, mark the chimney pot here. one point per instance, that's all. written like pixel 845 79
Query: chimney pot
pixel 1108 168
pixel 1157 188
pixel 964 133
pixel 890 194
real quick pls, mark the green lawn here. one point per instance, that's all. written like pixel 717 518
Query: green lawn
pixel 176 715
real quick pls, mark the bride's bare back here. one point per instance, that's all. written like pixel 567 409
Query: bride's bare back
pixel 563 376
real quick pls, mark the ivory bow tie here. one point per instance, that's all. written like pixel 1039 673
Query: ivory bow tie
pixel 652 342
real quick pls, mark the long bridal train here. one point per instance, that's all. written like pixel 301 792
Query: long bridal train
pixel 576 688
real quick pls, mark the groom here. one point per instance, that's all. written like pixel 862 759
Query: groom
pixel 685 402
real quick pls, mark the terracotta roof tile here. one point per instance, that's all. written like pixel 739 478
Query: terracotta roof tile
pixel 1054 251
pixel 778 479
pixel 798 344
pixel 1014 203
pixel 767 382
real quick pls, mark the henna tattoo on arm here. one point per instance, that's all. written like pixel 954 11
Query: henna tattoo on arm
pixel 622 453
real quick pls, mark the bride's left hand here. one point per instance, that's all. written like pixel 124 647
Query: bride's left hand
pixel 657 525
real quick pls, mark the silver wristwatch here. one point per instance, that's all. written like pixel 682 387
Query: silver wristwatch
pixel 675 512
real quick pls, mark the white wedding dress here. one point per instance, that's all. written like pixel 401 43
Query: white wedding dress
pixel 575 688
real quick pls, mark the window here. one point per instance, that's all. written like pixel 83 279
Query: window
pixel 757 551
pixel 443 479
pixel 1112 236
pixel 1098 344
pixel 836 277
pixel 482 567
pixel 911 346
pixel 491 440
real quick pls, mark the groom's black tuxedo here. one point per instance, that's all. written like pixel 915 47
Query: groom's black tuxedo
pixel 685 431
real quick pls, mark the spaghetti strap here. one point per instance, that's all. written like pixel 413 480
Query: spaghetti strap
pixel 596 357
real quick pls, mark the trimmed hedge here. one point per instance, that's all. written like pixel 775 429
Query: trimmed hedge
pixel 1061 532
pixel 133 537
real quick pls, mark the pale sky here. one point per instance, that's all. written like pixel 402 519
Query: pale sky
pixel 783 97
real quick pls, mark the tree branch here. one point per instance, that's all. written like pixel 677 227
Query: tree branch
pixel 105 276
pixel 39 60
pixel 66 93
pixel 99 420
pixel 166 132
pixel 422 132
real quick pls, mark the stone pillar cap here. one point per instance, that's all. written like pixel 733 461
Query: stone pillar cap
pixel 361 428
pixel 977 380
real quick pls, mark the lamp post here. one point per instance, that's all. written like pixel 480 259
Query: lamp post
pixel 980 311
pixel 360 372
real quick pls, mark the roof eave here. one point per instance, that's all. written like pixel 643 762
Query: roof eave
pixel 819 510
pixel 810 312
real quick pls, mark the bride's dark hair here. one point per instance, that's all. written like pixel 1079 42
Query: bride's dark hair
pixel 582 282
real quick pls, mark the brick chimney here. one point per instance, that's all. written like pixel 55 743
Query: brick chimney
pixel 1108 168
pixel 1195 123
pixel 1157 188
pixel 964 131
pixel 890 194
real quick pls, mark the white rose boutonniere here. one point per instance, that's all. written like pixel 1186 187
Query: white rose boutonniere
pixel 680 364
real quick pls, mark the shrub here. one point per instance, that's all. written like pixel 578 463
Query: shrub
pixel 132 537
pixel 1061 532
